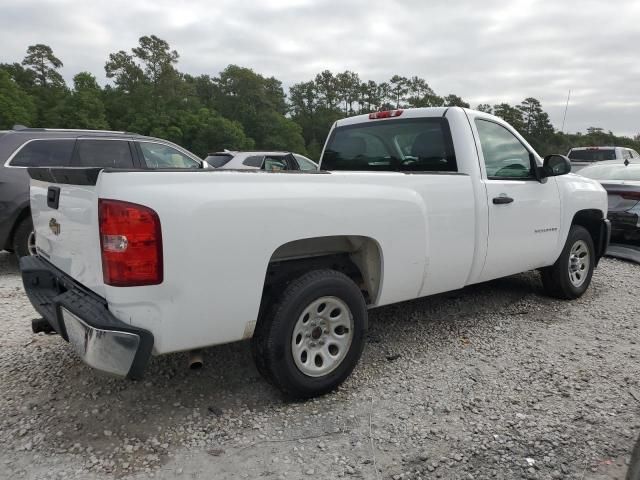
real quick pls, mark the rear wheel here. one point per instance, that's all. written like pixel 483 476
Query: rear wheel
pixel 312 337
pixel 570 276
pixel 24 239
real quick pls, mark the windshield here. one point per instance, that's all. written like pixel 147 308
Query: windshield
pixel 217 161
pixel 595 155
pixel 612 172
pixel 391 145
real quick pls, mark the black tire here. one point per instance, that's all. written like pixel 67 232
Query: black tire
pixel 257 344
pixel 556 279
pixel 634 465
pixel 272 341
pixel 21 238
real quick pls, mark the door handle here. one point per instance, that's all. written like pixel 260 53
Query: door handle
pixel 53 197
pixel 502 200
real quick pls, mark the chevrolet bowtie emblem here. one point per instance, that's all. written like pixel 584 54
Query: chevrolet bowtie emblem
pixel 54 226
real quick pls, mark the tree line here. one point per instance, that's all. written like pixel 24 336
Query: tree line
pixel 238 108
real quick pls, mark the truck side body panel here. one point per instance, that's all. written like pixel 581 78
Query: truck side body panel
pixel 224 232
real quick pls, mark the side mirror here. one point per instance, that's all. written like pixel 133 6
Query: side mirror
pixel 205 165
pixel 555 165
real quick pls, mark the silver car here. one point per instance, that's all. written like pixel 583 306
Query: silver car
pixel 260 160
pixel 584 156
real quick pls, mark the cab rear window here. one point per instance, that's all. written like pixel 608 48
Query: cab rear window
pixel 418 145
pixel 595 155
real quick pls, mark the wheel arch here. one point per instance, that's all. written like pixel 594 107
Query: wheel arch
pixel 358 257
pixel 24 212
pixel 592 220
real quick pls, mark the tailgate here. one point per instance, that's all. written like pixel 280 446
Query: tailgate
pixel 64 207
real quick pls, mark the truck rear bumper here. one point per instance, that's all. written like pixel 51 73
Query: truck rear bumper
pixel 82 318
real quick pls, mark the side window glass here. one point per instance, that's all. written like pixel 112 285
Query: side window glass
pixel 292 163
pixel 253 161
pixel 104 153
pixel 44 153
pixel 275 164
pixel 504 156
pixel 158 155
pixel 305 164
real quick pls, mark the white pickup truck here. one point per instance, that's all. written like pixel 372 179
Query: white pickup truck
pixel 407 204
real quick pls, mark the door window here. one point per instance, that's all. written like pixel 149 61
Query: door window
pixel 276 164
pixel 304 163
pixel 218 160
pixel 253 161
pixel 44 153
pixel 104 153
pixel 504 156
pixel 158 155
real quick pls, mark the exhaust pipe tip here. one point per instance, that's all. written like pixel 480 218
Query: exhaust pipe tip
pixel 195 360
pixel 41 325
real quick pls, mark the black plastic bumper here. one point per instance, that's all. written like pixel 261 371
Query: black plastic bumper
pixel 624 224
pixel 605 239
pixel 55 295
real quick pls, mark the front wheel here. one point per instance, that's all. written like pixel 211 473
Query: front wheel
pixel 312 338
pixel 570 276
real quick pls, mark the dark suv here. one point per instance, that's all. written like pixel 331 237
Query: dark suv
pixel 38 147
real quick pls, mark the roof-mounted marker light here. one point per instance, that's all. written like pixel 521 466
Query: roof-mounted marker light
pixel 385 114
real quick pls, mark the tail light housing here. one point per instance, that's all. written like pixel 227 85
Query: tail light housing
pixel 131 244
pixel 631 196
pixel 385 114
pixel 627 195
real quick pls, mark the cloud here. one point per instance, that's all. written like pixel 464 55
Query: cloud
pixel 488 51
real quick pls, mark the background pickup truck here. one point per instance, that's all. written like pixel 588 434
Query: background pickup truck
pixel 406 204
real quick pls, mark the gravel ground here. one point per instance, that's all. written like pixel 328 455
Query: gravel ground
pixel 494 381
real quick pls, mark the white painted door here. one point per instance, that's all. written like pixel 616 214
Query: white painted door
pixel 524 213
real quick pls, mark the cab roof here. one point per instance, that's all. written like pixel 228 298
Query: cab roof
pixel 404 113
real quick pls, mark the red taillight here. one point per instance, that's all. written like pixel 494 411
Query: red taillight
pixel 631 196
pixel 626 195
pixel 131 244
pixel 385 114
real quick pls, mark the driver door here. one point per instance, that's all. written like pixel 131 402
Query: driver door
pixel 524 214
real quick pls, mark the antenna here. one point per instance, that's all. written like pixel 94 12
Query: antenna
pixel 565 111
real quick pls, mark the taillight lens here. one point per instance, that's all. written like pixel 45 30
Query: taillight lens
pixel 631 196
pixel 626 195
pixel 131 244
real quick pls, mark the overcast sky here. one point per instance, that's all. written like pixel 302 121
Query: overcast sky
pixel 486 51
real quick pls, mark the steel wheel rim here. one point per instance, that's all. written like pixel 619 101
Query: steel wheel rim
pixel 31 243
pixel 579 263
pixel 322 336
